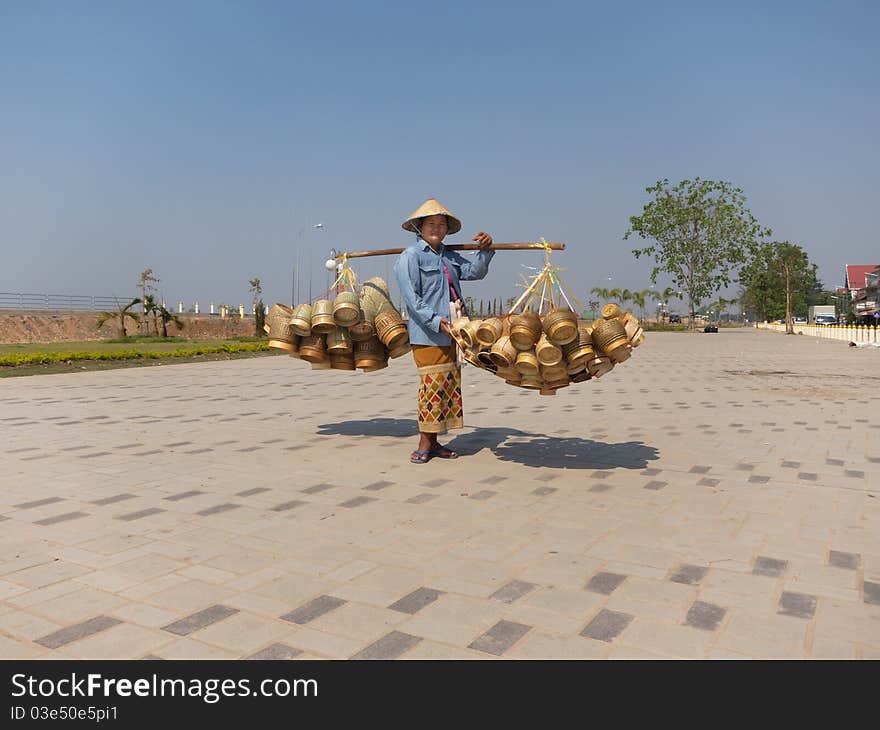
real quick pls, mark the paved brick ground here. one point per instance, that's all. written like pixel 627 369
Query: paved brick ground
pixel 716 496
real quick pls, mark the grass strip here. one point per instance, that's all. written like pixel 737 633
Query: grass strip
pixel 37 358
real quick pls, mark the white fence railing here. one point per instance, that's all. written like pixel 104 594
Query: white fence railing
pixel 846 332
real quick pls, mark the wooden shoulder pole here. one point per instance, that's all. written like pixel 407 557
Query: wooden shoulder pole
pixel 460 247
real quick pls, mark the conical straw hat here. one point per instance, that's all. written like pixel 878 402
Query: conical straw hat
pixel 431 207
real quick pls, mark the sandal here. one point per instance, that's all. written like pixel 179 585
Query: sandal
pixel 420 457
pixel 443 453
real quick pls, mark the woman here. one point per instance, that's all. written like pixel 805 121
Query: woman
pixel 428 276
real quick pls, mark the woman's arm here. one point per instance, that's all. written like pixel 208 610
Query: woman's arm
pixel 406 269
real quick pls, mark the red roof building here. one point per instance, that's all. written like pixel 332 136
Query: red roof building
pixel 854 276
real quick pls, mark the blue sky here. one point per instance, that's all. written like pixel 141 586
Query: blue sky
pixel 205 139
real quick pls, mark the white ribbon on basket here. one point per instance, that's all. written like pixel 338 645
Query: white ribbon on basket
pixel 455 312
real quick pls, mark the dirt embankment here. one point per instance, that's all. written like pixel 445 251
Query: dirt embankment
pixel 20 327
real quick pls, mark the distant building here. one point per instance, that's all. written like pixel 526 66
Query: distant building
pixel 865 300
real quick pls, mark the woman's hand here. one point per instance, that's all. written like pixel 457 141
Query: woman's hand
pixel 445 326
pixel 484 239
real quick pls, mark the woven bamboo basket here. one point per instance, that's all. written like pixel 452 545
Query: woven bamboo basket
pixel 527 362
pixel 547 352
pixel 532 382
pixel 342 362
pixel 580 377
pixel 313 348
pixel 281 336
pixel 363 329
pixel 346 309
pixel 390 328
pixel 611 311
pixel 598 366
pixel 560 326
pixel 609 335
pixel 322 317
pixel 489 331
pixel 503 353
pixel 400 350
pixel 368 353
pixel 339 342
pixel 301 321
pixel 525 330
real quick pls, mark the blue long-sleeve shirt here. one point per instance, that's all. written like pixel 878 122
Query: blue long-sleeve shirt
pixel 425 288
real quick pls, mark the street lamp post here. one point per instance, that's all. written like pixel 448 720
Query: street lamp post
pixel 293 282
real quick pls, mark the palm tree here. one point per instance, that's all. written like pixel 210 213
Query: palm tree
pixel 259 308
pixel 121 313
pixel 601 292
pixel 167 317
pixel 151 308
pixel 639 298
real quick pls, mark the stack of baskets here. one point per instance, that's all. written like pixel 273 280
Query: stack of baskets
pixel 550 351
pixel 350 332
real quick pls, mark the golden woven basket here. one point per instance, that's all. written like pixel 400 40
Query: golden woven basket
pixel 281 336
pixel 346 309
pixel 525 330
pixel 611 311
pixel 322 317
pixel 532 382
pixel 527 362
pixel 301 321
pixel 313 348
pixel 609 334
pixel 547 352
pixel 489 331
pixel 503 353
pixel 598 366
pixel 342 362
pixel 390 328
pixel 368 353
pixel 339 342
pixel 560 326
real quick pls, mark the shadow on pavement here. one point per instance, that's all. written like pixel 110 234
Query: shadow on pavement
pixel 510 444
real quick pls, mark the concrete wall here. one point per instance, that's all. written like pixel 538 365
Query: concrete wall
pixel 32 326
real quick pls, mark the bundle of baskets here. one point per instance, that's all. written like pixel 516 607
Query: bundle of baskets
pixel 545 352
pixel 353 331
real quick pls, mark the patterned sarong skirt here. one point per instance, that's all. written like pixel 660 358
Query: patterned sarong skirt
pixel 440 406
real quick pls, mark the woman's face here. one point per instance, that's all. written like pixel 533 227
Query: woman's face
pixel 434 229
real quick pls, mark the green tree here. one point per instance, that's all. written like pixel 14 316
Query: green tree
pixel 640 299
pixel 151 309
pixel 165 317
pixel 795 273
pixel 256 290
pixel 778 280
pixel 145 282
pixel 701 232
pixel 121 313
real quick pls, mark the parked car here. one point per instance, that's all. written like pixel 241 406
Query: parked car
pixel 674 319
pixel 799 320
pixel 826 319
pixel 710 328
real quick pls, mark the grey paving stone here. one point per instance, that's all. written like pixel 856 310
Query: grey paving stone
pixel 313 609
pixel 834 462
pixel 183 495
pixel 38 503
pixel 855 473
pixel 422 498
pixel 758 479
pixel 276 651
pixel 838 559
pixel 140 514
pixel 292 504
pixel 483 494
pixel 604 583
pixel 606 625
pixel 700 469
pixel 543 491
pixel 546 477
pixel 512 591
pixel 416 601
pixel 797 604
pixel 389 646
pixel 871 592
pixel 745 467
pixel 706 616
pixel 61 518
pixel 709 482
pixel 493 480
pixel 357 501
pixel 600 487
pixel 600 475
pixel 651 472
pixel 689 574
pixel 77 631
pixel 436 483
pixel 200 619
pixel 769 566
pixel 218 508
pixel 500 637
pixel 655 485
pixel 376 486
pixel 791 464
pixel 112 500
pixel 318 488
pixel 252 492
pixel 808 476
